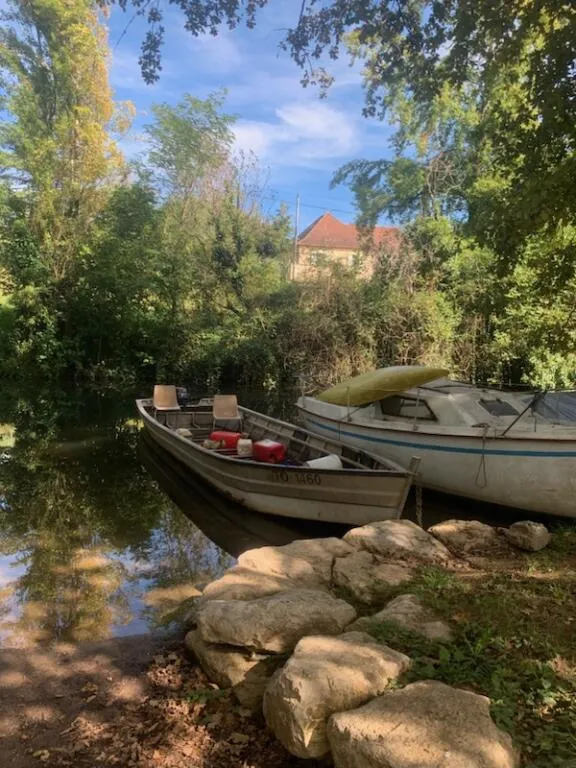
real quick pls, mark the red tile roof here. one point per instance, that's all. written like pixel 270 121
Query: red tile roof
pixel 329 232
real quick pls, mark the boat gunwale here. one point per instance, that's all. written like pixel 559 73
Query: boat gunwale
pixel 263 466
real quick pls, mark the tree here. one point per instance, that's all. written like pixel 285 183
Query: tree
pixel 57 154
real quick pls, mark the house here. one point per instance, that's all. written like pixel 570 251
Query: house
pixel 329 241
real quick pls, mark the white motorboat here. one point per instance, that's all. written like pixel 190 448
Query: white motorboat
pixel 517 449
pixel 363 488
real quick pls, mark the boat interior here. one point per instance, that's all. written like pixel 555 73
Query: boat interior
pixel 198 421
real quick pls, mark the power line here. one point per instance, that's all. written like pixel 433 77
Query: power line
pixel 327 208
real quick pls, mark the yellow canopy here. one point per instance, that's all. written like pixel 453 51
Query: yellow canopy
pixel 376 385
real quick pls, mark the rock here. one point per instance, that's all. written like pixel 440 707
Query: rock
pixel 276 562
pixel 398 539
pixel 246 584
pixel 326 675
pixel 409 613
pixel 189 615
pixel 320 553
pixel 469 537
pixel 528 535
pixel 424 725
pixel 274 623
pixel 246 673
pixel 367 579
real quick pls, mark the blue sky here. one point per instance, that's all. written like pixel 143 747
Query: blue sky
pixel 299 139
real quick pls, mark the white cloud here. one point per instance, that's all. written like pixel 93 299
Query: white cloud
pixel 218 55
pixel 304 133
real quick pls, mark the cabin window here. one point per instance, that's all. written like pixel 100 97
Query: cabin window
pixel 498 407
pixel 406 408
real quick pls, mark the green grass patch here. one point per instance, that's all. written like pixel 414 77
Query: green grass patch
pixel 514 642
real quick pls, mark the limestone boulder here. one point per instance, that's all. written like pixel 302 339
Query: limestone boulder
pixel 277 563
pixel 470 537
pixel 247 674
pixel 398 540
pixel 408 612
pixel 275 623
pixel 323 676
pixel 242 583
pixel 528 535
pixel 320 553
pixel 424 725
pixel 366 578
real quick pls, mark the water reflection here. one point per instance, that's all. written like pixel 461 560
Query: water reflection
pixel 85 532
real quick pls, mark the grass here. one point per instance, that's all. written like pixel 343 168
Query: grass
pixel 515 642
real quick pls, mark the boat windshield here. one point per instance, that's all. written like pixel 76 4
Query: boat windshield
pixel 557 407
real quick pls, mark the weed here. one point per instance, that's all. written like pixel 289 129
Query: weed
pixel 206 695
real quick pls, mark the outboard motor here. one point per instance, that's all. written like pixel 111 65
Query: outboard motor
pixel 182 396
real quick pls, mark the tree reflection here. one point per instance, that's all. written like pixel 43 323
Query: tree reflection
pixel 86 524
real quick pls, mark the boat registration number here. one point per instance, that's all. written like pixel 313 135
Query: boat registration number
pixel 302 478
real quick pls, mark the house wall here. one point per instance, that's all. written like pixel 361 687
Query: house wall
pixel 312 263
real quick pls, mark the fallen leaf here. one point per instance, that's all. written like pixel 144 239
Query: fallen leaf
pixel 239 738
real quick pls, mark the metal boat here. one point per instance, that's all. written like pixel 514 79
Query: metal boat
pixel 366 488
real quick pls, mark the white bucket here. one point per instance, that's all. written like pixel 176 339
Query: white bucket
pixel 332 461
pixel 244 447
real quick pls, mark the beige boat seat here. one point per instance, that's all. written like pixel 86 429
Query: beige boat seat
pixel 165 398
pixel 225 413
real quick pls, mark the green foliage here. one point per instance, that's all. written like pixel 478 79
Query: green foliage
pixel 512 643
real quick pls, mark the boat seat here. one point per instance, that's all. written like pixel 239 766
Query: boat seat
pixel 225 413
pixel 165 399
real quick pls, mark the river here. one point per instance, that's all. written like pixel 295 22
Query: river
pixel 102 535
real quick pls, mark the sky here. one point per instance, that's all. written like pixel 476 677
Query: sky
pixel 299 138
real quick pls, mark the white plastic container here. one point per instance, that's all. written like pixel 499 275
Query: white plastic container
pixel 332 461
pixel 244 447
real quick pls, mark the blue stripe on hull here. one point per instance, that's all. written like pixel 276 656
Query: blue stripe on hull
pixel 443 448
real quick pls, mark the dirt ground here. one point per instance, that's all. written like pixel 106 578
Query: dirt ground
pixel 129 703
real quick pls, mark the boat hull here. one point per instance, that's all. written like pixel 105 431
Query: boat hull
pixel 538 475
pixel 339 496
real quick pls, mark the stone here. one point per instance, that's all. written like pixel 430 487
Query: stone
pixel 320 553
pixel 424 725
pixel 528 535
pixel 274 623
pixel 408 612
pixel 240 583
pixel 469 537
pixel 189 614
pixel 367 579
pixel 326 675
pixel 398 540
pixel 247 674
pixel 276 562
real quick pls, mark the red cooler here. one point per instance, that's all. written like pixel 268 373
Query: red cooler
pixel 268 451
pixel 228 439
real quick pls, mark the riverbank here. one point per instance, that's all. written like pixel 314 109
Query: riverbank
pixel 127 702
pixel 458 641
pixel 141 702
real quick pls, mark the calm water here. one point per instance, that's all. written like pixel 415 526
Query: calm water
pixel 96 531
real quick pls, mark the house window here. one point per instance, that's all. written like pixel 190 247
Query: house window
pixel 318 258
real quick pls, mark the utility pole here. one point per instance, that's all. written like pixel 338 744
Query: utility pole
pixel 296 228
